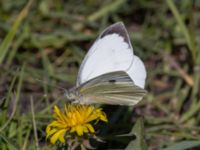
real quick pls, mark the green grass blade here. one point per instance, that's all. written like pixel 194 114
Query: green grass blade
pixel 17 96
pixel 34 124
pixel 9 37
pixel 18 43
pixel 186 33
pixel 106 10
pixel 47 64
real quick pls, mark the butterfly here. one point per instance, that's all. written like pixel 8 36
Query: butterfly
pixel 110 73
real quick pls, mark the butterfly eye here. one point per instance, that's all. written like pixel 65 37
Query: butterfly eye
pixel 70 95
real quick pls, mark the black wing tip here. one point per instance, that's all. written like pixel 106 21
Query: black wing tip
pixel 118 25
pixel 118 28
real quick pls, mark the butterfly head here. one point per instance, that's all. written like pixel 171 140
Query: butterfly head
pixel 70 94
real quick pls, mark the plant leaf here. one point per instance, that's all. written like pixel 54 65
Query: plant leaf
pixel 183 145
pixel 139 143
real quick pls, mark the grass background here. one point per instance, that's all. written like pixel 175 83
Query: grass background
pixel 46 40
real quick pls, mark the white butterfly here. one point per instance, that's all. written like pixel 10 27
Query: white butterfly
pixel 110 73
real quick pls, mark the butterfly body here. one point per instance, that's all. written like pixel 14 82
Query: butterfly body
pixel 110 73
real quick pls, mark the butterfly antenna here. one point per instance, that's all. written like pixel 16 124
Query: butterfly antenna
pixel 59 87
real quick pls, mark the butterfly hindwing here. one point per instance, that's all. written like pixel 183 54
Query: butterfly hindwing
pixel 115 88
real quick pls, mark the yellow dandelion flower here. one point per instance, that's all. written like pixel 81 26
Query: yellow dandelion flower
pixel 76 119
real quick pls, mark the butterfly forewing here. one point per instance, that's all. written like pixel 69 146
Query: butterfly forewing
pixel 115 88
pixel 112 51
